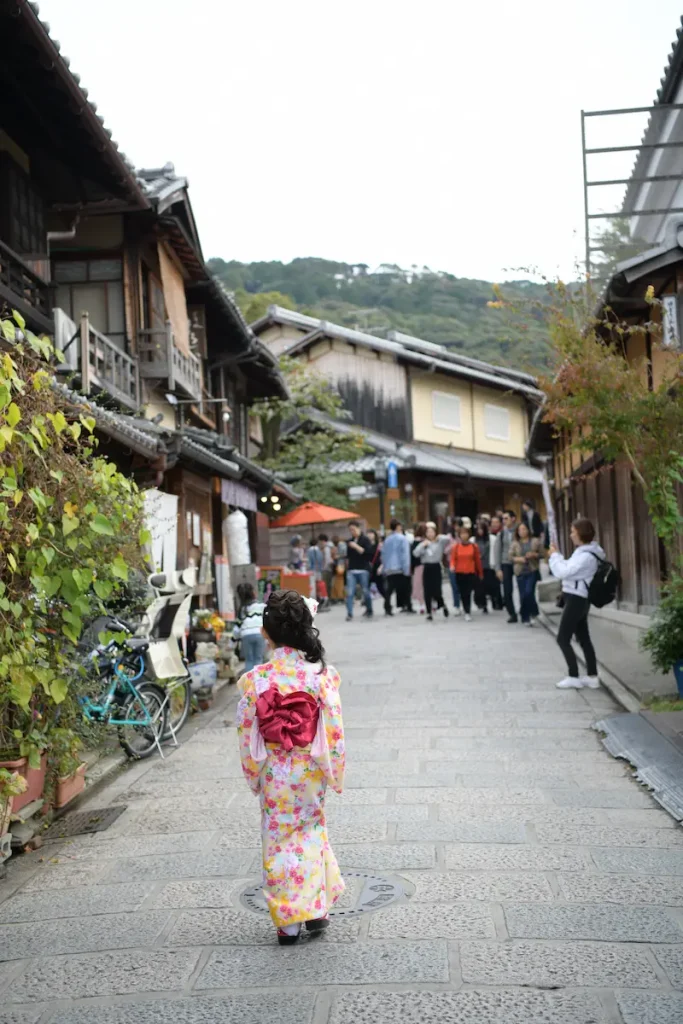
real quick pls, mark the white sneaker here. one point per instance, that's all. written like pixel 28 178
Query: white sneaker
pixel 457 611
pixel 570 683
pixel 529 624
pixel 592 682
pixel 468 618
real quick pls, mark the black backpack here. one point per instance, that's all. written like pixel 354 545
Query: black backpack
pixel 603 588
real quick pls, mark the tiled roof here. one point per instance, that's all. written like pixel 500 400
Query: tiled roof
pixel 402 346
pixel 432 458
pixel 121 428
pixel 126 166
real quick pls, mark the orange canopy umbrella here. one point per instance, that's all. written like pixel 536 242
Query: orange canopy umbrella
pixel 312 512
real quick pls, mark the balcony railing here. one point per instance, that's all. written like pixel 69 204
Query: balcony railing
pixel 105 367
pixel 161 359
pixel 22 289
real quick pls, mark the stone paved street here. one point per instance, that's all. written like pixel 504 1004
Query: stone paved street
pixel 543 884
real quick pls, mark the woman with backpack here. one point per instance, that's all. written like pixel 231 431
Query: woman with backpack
pixel 577 574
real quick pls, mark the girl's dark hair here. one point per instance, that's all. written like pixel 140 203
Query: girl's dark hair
pixel 245 594
pixel 528 532
pixel 484 527
pixel 585 529
pixel 289 623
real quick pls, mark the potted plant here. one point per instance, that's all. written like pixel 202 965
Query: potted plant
pixel 663 640
pixel 12 785
pixel 28 757
pixel 70 770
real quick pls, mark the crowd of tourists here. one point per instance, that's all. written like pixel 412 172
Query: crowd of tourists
pixel 491 565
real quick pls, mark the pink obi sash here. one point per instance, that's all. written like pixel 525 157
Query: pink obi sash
pixel 291 720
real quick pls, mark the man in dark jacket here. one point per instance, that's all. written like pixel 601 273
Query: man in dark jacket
pixel 531 517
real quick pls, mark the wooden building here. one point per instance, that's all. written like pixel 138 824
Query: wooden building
pixel 456 427
pixel 107 260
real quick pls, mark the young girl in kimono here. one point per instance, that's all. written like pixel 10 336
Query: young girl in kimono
pixel 291 740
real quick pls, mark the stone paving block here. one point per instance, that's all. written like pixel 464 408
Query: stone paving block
pixel 81 935
pixel 535 814
pixel 181 865
pixel 358 814
pixel 440 921
pixel 20 1016
pixel 572 835
pixel 386 858
pixel 167 821
pixel 506 1006
pixel 231 927
pixel 371 751
pixel 605 923
pixel 632 860
pixel 641 819
pixel 218 892
pixel 62 903
pixel 560 964
pixel 495 776
pixel 447 886
pixel 650 1007
pixel 515 858
pixel 287 1008
pixel 657 890
pixel 66 874
pixel 107 974
pixel 671 959
pixel 463 831
pixel 525 757
pixel 489 796
pixel 365 963
pixel 163 787
pixel 145 846
pixel 631 796
pixel 555 721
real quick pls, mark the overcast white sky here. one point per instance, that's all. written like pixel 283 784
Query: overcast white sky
pixel 442 132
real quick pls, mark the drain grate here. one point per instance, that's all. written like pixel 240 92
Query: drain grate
pixel 376 893
pixel 81 822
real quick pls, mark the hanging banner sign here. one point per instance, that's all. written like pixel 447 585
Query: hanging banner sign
pixel 392 474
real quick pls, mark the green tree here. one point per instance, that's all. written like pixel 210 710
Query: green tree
pixel 70 527
pixel 300 443
pixel 616 245
pixel 255 306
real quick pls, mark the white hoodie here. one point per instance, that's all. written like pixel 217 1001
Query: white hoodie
pixel 578 571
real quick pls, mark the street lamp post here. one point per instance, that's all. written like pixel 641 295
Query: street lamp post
pixel 381 482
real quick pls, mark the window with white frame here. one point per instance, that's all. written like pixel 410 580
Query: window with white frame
pixel 445 410
pixel 497 422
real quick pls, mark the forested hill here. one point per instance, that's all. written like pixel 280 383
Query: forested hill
pixel 435 306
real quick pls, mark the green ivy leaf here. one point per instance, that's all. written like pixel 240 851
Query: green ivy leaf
pixel 144 537
pixel 57 475
pixel 119 568
pixel 103 589
pixel 18 319
pixel 13 414
pixel 59 690
pixel 69 524
pixel 12 561
pixel 100 524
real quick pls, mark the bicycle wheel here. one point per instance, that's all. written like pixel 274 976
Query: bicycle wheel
pixel 179 701
pixel 146 712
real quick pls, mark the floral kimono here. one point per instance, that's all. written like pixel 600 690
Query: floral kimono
pixel 291 741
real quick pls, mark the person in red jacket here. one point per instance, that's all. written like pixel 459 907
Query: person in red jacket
pixel 466 564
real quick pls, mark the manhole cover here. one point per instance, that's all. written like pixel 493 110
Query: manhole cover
pixel 371 892
pixel 81 822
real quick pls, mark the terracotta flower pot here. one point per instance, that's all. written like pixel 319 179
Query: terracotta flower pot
pixel 35 778
pixel 69 786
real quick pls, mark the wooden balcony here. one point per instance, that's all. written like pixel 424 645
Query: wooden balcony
pixel 22 289
pixel 106 367
pixel 161 359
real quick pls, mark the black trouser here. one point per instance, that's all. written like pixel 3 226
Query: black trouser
pixel 508 590
pixel 404 592
pixel 432 585
pixel 393 584
pixel 574 622
pixel 466 581
pixel 488 587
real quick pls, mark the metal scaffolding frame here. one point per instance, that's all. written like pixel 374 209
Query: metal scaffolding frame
pixel 633 179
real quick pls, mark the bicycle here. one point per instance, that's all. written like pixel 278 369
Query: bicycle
pixel 139 710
